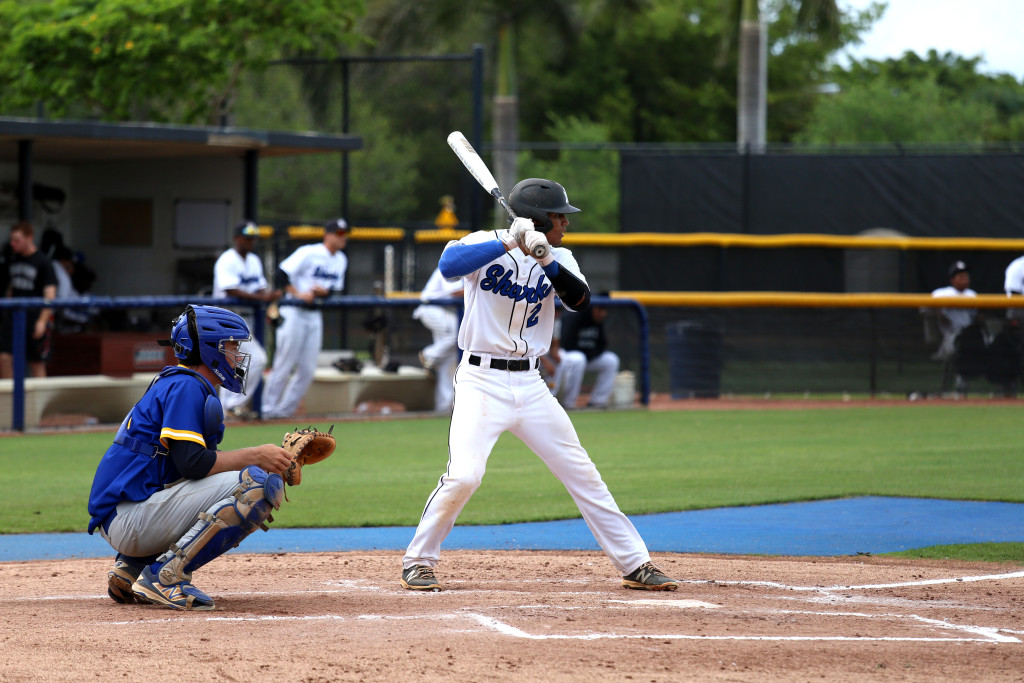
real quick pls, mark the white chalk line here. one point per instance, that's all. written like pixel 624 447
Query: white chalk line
pixel 508 630
pixel 868 586
pixel 981 634
pixel 985 634
pixel 364 585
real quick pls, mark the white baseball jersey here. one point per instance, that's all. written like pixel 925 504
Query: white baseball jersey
pixel 233 271
pixel 510 303
pixel 1014 282
pixel 438 287
pixel 959 318
pixel 300 337
pixel 313 265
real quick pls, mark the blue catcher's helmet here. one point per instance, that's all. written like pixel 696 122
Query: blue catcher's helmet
pixel 198 336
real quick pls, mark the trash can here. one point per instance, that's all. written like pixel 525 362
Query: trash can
pixel 694 359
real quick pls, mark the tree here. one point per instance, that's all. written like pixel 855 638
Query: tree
pixel 157 60
pixel 818 18
pixel 938 98
pixel 590 177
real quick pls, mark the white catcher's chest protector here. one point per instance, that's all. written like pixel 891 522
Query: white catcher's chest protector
pixel 510 303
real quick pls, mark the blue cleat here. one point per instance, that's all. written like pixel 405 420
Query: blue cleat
pixel 179 594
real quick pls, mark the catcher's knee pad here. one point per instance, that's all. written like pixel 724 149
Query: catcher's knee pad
pixel 229 521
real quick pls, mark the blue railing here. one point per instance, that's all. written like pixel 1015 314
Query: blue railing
pixel 18 309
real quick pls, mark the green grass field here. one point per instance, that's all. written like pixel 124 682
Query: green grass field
pixel 383 471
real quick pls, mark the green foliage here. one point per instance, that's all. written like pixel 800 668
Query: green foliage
pixel 383 181
pixel 159 60
pixel 941 98
pixel 591 178
pixel 652 462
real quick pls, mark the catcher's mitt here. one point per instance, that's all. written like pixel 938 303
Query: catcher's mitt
pixel 307 446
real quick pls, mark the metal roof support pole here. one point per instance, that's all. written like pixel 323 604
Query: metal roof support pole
pixel 24 180
pixel 251 192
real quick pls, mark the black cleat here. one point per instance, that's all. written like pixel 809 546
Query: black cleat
pixel 647 577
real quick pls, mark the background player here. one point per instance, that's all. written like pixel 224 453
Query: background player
pixel 163 496
pixel 584 348
pixel 441 356
pixel 313 271
pixel 238 273
pixel 30 274
pixel 509 299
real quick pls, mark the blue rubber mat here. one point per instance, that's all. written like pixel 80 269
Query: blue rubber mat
pixel 824 528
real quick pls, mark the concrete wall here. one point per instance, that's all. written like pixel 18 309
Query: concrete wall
pixel 149 269
pixel 131 270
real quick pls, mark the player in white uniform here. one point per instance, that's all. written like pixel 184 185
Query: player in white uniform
pixel 441 356
pixel 313 271
pixel 509 313
pixel 238 273
pixel 1014 286
pixel 952 321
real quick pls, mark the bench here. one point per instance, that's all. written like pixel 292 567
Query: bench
pixel 101 399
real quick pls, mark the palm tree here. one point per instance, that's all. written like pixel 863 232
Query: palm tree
pixel 400 24
pixel 818 17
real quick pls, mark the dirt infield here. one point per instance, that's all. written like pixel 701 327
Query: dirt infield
pixel 523 616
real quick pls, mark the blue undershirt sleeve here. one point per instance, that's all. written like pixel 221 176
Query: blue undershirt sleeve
pixel 459 260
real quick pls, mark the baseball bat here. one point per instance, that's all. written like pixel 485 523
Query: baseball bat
pixel 478 169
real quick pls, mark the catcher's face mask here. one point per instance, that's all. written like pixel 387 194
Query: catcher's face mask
pixel 236 361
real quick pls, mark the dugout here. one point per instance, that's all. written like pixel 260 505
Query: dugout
pixel 149 202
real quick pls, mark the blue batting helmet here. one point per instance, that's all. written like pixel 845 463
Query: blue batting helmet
pixel 198 336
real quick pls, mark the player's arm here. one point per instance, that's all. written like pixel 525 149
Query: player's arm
pixel 574 292
pixel 45 314
pixel 195 461
pixel 460 259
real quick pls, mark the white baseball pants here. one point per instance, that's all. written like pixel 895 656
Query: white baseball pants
pixel 570 371
pixel 489 402
pixel 442 354
pixel 298 343
pixel 257 362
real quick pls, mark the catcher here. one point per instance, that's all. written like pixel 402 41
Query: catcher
pixel 163 496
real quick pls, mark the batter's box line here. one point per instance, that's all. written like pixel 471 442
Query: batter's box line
pixel 867 586
pixel 989 636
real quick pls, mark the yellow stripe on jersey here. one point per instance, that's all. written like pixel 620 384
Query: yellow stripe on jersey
pixel 180 435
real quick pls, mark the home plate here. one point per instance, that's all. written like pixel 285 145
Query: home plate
pixel 679 604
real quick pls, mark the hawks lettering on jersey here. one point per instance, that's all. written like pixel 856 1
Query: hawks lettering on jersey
pixel 509 303
pixel 499 281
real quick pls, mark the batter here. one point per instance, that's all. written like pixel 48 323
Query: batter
pixel 509 314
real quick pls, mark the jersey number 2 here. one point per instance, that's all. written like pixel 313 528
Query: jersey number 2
pixel 534 316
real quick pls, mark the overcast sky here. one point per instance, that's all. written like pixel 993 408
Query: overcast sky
pixel 993 29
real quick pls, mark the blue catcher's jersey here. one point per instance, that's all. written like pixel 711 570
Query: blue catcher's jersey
pixel 179 404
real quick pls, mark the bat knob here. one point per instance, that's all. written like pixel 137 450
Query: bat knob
pixel 540 251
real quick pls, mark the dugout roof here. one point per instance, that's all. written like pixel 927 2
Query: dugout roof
pixel 71 142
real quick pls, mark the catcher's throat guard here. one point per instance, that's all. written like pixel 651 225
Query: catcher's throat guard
pixel 225 525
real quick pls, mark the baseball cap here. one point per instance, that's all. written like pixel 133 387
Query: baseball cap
pixel 336 225
pixel 958 267
pixel 247 229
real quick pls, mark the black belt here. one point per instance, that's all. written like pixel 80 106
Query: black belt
pixel 502 364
